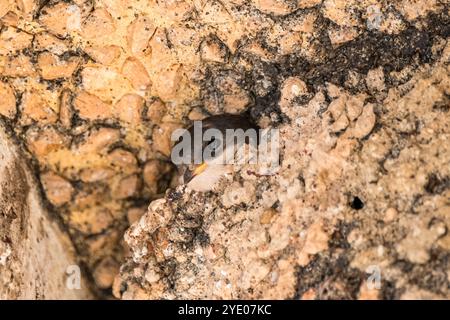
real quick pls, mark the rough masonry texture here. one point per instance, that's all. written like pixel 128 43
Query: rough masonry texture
pixel 358 89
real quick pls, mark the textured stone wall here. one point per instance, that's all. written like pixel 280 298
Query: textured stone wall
pixel 359 90
pixel 36 255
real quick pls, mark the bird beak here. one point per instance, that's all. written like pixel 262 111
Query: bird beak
pixel 189 175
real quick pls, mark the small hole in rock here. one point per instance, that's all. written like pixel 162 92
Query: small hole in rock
pixel 356 203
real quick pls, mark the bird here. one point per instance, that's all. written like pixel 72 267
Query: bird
pixel 205 175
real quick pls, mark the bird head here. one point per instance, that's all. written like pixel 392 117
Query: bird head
pixel 204 174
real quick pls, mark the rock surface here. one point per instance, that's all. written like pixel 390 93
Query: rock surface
pixel 358 89
pixel 36 255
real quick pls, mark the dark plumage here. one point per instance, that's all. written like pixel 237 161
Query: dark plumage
pixel 222 123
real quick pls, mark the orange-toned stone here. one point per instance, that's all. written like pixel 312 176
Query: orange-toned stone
pixel 153 171
pixel 43 141
pixel 91 107
pixel 136 73
pixel 58 190
pixel 18 67
pixel 45 41
pixel 99 24
pixel 27 7
pixel 5 5
pixel 129 108
pixel 65 108
pixel 7 101
pixel 276 7
pixel 139 34
pixel 13 40
pixel 105 272
pixel 11 19
pixel 105 55
pixel 51 67
pixel 35 108
pixel 126 187
pixel 169 82
pixel 98 140
pixel 134 214
pixel 162 137
pixel 122 159
pixel 96 174
pixel 212 50
pixel 91 220
pixel 156 111
pixel 60 18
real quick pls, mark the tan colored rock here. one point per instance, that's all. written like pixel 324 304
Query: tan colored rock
pixel 105 272
pixel 105 55
pixel 197 114
pixel 390 215
pixel 267 215
pixel 392 24
pixel 126 187
pixel 276 7
pixel 61 18
pixel 42 142
pixel 136 73
pixel 236 103
pixel 99 24
pixel 13 40
pixel 339 11
pixel 368 293
pixel 337 107
pixel 154 170
pixel 96 174
pixel 290 42
pixel 89 198
pixel 52 67
pixel 47 42
pixel 33 244
pixel 235 98
pixel 8 101
pixel 5 5
pixel 340 36
pixel 36 108
pixel 102 244
pixel 123 159
pixel 90 107
pixel 18 66
pixel 292 88
pixel 139 34
pixel 168 82
pixel 416 293
pixel 98 140
pixel 156 111
pixel 416 246
pixel 413 9
pixel 28 7
pixel 162 138
pixel 375 79
pixel 58 190
pixel 11 19
pixel 65 108
pixel 92 220
pixel 340 124
pixel 107 83
pixel 213 50
pixel 157 216
pixel 365 123
pixel 129 108
pixel 354 106
pixel 310 294
pixel 316 241
pixel 134 214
